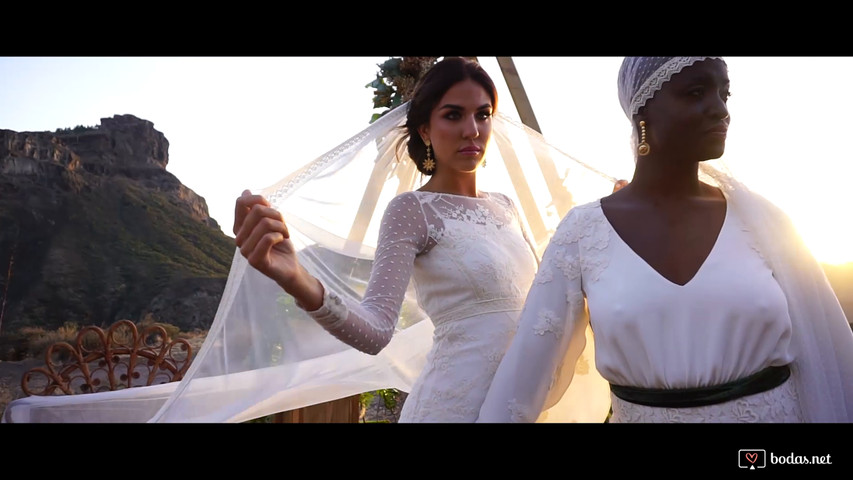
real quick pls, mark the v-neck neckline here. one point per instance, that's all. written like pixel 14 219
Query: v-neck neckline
pixel 642 260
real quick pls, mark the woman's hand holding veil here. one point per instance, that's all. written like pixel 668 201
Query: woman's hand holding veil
pixel 264 240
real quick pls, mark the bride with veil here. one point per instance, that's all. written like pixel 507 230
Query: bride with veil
pixel 264 354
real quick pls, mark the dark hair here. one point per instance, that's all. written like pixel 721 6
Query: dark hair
pixel 429 91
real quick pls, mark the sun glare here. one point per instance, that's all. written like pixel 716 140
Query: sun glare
pixel 828 247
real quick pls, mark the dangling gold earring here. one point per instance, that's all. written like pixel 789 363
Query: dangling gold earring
pixel 643 148
pixel 429 163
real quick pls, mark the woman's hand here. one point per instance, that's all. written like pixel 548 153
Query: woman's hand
pixel 264 240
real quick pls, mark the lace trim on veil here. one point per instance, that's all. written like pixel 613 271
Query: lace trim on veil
pixel 278 192
pixel 652 84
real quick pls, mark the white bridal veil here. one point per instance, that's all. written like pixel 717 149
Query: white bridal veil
pixel 264 355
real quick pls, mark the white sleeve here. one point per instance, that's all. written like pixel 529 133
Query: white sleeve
pixel 553 318
pixel 368 326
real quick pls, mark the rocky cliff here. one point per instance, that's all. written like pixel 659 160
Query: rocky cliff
pixel 93 229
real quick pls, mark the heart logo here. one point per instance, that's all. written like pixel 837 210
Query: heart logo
pixel 752 457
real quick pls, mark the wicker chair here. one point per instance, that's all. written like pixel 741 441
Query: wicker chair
pixel 123 357
pixel 120 357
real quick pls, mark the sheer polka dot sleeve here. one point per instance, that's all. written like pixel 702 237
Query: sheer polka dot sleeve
pixel 369 325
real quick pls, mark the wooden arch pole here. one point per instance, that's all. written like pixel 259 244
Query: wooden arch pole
pixel 519 95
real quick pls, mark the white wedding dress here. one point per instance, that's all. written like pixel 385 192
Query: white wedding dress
pixel 728 321
pixel 471 265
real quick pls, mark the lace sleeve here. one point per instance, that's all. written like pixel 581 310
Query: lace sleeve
pixel 549 338
pixel 369 325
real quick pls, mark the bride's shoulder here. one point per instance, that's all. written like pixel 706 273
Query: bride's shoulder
pixel 410 197
pixel 407 203
pixel 578 222
pixel 583 212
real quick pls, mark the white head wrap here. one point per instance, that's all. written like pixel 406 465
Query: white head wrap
pixel 641 77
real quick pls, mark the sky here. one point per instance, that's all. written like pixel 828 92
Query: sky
pixel 245 122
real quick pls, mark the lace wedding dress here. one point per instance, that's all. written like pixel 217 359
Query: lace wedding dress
pixel 471 264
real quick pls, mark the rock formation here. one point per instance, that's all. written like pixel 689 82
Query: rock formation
pixel 93 229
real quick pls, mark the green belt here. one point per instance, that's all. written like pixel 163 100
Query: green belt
pixel 762 381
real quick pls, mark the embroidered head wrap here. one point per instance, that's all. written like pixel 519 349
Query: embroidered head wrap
pixel 641 77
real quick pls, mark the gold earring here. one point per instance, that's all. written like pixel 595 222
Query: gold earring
pixel 643 148
pixel 429 163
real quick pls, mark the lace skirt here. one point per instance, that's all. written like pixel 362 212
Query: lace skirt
pixel 459 369
pixel 778 405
